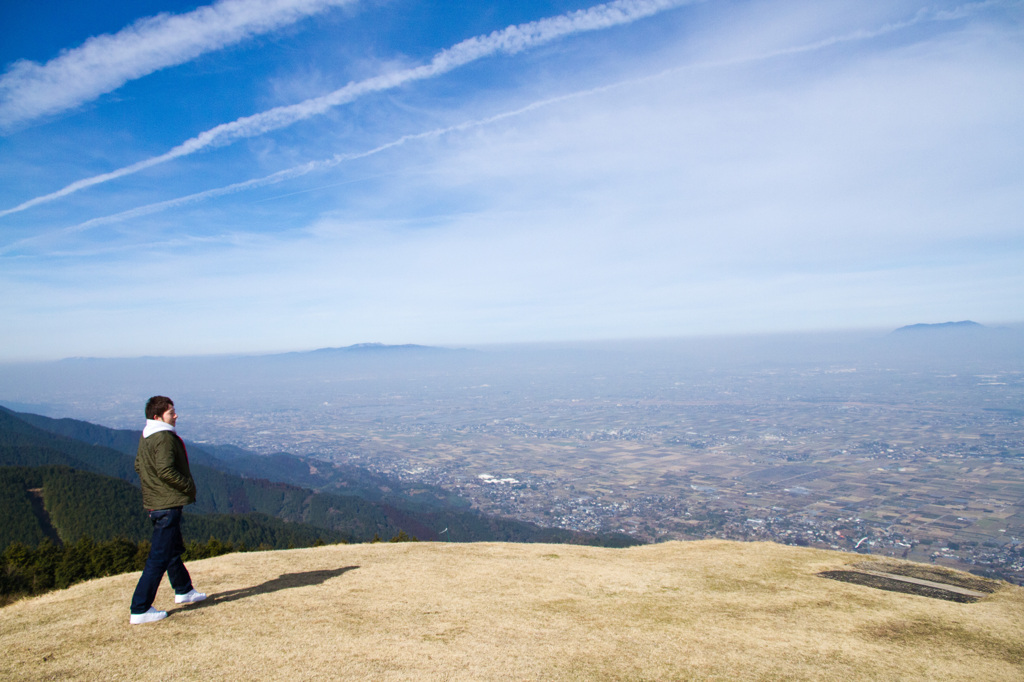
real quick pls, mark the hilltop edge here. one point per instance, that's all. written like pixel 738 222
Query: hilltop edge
pixel 694 610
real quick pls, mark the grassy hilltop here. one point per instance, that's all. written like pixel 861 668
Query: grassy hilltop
pixel 437 611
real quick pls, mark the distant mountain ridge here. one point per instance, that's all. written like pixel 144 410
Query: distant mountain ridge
pixel 955 346
pixel 963 325
pixel 356 349
pixel 374 348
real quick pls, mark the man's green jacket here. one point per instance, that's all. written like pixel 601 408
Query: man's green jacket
pixel 162 465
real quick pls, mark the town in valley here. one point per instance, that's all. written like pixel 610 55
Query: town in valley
pixel 908 458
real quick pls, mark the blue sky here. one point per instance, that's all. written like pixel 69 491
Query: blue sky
pixel 290 174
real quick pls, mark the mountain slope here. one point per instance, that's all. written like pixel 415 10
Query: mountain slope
pixel 432 611
pixel 22 444
pixel 233 492
pixel 281 467
pixel 74 503
pixel 121 440
pixel 28 446
pixel 67 504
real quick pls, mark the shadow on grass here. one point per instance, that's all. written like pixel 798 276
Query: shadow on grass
pixel 953 593
pixel 285 581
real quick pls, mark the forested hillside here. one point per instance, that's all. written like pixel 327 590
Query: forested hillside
pixel 66 505
pixel 233 488
pixel 22 444
pixel 281 467
pixel 59 526
pixel 81 483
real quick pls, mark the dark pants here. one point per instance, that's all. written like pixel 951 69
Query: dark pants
pixel 164 557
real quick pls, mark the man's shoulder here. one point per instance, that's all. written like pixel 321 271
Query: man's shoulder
pixel 160 438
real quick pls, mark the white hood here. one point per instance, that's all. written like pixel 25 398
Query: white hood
pixel 155 425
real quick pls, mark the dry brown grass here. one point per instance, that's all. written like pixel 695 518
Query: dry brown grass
pixel 710 610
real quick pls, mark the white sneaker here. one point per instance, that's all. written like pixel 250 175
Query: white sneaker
pixel 189 597
pixel 150 616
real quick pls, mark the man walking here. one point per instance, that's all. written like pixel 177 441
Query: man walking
pixel 167 486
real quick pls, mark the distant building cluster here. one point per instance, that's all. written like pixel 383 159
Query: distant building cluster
pixel 924 465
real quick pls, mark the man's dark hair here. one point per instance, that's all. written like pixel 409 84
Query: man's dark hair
pixel 157 405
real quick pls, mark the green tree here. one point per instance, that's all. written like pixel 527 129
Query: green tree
pixel 114 557
pixel 76 565
pixel 47 557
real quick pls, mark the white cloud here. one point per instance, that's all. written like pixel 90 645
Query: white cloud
pixel 748 30
pixel 509 40
pixel 104 63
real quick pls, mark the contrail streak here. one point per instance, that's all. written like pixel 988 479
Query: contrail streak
pixel 323 164
pixel 106 62
pixel 337 159
pixel 509 41
pixel 298 171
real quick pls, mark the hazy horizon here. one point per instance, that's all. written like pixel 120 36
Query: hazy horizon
pixel 105 390
pixel 859 334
